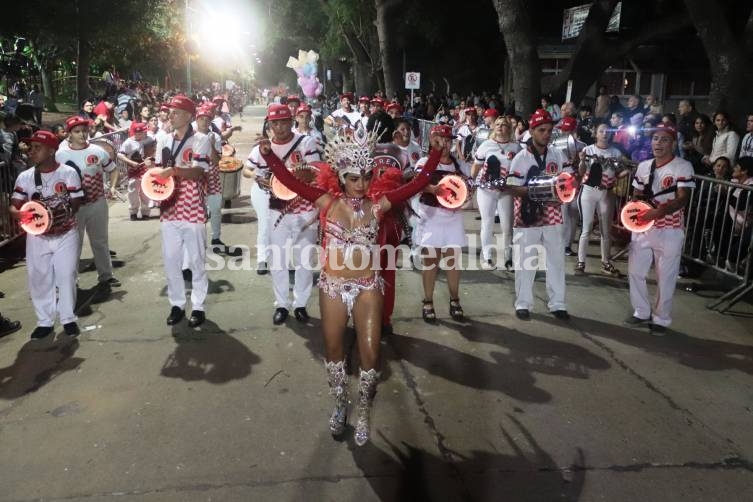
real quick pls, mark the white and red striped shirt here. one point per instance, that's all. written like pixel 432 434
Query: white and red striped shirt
pixel 92 162
pixel 522 162
pixel 64 180
pixel 188 204
pixel 677 173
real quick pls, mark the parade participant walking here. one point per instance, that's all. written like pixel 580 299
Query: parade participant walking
pixel 568 128
pixel 466 139
pixel 184 155
pixel 92 162
pixel 492 164
pixel 131 153
pixel 350 285
pixel 303 118
pixel 537 224
pixel 596 195
pixel 666 182
pixel 440 234
pixel 344 117
pixel 292 224
pixel 52 257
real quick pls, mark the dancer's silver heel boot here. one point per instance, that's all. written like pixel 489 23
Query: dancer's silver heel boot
pixel 337 378
pixel 367 383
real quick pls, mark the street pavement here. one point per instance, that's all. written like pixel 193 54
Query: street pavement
pixel 491 409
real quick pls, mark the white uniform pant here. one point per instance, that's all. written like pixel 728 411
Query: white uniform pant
pixel 260 202
pixel 663 247
pixel 570 216
pixel 293 239
pixel 214 204
pixel 489 203
pixel 94 218
pixel 137 198
pixel 51 262
pixel 179 239
pixel 592 199
pixel 527 243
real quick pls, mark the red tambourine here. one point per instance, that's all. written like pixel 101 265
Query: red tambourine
pixel 566 187
pixel 455 191
pixel 629 216
pixel 156 188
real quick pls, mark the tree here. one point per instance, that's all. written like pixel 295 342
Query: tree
pixel 385 10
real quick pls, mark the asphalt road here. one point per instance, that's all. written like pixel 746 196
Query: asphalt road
pixel 492 409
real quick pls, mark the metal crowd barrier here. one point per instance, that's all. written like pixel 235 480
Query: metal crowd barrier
pixel 9 229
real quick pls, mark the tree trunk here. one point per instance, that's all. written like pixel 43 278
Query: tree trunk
pixel 41 63
pixel 364 78
pixel 728 57
pixel 515 26
pixel 384 9
pixel 82 69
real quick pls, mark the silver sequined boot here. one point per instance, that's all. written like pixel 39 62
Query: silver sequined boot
pixel 367 383
pixel 337 378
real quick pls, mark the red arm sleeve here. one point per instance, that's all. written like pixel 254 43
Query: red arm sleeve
pixel 418 183
pixel 308 192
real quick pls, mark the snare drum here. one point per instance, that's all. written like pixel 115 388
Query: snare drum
pixel 49 217
pixel 629 216
pixel 561 188
pixel 156 188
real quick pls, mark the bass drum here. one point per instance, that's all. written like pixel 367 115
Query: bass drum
pixel 561 188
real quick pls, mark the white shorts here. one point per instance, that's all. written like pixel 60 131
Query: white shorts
pixel 439 227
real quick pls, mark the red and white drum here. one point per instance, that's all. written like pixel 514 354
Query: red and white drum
pixel 455 192
pixel 561 188
pixel 43 218
pixel 156 188
pixel 306 173
pixel 629 216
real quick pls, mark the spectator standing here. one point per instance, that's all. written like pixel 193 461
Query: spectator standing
pixel 686 117
pixel 37 102
pixel 725 141
pixel 699 145
pixel 746 147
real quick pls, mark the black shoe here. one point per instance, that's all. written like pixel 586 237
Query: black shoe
pixel 523 314
pixel 197 318
pixel 41 332
pixel 113 253
pixel 176 314
pixel 569 251
pixel 262 269
pixel 71 329
pixel 7 326
pixel 301 314
pixel 113 282
pixel 562 315
pixel 187 275
pixel 496 219
pixel 636 321
pixel 508 265
pixel 280 315
pixel 219 245
pixel 657 330
pixel 134 217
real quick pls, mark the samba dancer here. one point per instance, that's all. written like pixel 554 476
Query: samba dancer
pixel 492 163
pixel 351 205
pixel 52 257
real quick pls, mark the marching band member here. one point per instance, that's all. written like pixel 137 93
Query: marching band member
pixel 344 117
pixel 214 183
pixel 92 162
pixel 394 110
pixel 492 163
pixel 351 205
pixel 303 118
pixel 132 154
pixel 184 155
pixel 52 257
pixel 596 195
pixel 293 103
pixel 568 127
pixel 466 139
pixel 666 181
pixel 440 233
pixel 402 138
pixel 293 220
pixel 364 110
pixel 537 224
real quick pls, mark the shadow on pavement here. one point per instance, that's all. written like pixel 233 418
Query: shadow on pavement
pixel 38 362
pixel 207 353
pixel 214 287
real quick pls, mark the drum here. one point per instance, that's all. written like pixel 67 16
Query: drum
pixel 561 188
pixel 228 150
pixel 456 191
pixel 47 217
pixel 629 216
pixel 305 173
pixel 156 188
pixel 229 164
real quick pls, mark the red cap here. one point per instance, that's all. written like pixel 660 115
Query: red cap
pixel 443 131
pixel 137 127
pixel 568 124
pixel 184 103
pixel 539 117
pixel 471 110
pixel 666 129
pixel 491 112
pixel 74 121
pixel 395 106
pixel 293 97
pixel 164 108
pixel 278 112
pixel 205 111
pixel 364 99
pixel 218 99
pixel 46 138
pixel 378 101
pixel 348 95
pixel 304 108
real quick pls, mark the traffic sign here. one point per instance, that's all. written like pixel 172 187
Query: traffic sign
pixel 412 80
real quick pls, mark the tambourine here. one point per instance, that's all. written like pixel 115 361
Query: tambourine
pixel 561 188
pixel 228 164
pixel 305 173
pixel 228 150
pixel 629 216
pixel 107 146
pixel 156 188
pixel 455 191
pixel 45 218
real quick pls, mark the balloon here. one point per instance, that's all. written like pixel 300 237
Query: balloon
pixel 310 85
pixel 309 69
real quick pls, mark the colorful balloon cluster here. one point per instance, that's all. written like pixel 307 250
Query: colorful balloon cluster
pixel 305 68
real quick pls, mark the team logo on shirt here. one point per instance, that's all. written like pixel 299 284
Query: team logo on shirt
pixel 414 157
pixel 60 188
pixel 552 168
pixel 91 160
pixel 296 158
pixel 187 156
pixel 667 182
pixel 510 155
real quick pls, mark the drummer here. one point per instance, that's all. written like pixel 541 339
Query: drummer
pixel 440 233
pixel 131 153
pixel 51 258
pixel 303 119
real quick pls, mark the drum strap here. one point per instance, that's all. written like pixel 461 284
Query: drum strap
pixel 173 153
pixel 292 149
pixel 648 191
pixel 540 165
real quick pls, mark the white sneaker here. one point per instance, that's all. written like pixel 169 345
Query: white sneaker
pixel 487 265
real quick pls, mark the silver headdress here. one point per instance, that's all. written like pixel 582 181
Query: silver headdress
pixel 352 152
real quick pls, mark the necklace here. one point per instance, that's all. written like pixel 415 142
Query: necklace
pixel 356 204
